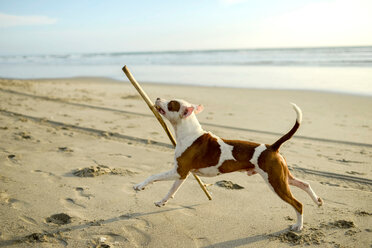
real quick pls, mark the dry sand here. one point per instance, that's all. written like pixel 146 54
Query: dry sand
pixel 72 149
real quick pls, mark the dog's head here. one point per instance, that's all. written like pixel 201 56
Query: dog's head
pixel 176 110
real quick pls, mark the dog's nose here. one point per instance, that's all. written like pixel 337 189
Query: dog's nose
pixel 158 99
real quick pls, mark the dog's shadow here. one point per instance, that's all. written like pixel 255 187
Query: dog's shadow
pixel 245 241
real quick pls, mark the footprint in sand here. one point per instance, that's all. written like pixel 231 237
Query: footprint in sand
pixel 110 239
pixel 120 154
pixel 12 202
pixel 132 126
pixel 136 232
pixel 340 224
pixel 81 192
pixel 11 156
pixel 4 198
pixel 22 136
pixel 355 173
pixel 5 179
pixel 134 97
pixel 313 236
pixel 14 158
pixel 78 200
pixel 202 242
pixel 51 177
pixel 44 238
pixel 59 219
pixel 228 185
pixel 362 213
pixel 69 202
pixel 331 184
pixel 27 220
pixel 65 149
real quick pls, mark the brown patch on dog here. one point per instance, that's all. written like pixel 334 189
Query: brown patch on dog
pixel 204 152
pixel 271 162
pixel 174 106
pixel 242 153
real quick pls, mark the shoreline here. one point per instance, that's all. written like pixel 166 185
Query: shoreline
pixel 99 80
pixel 196 50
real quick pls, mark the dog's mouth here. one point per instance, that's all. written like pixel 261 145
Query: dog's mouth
pixel 160 110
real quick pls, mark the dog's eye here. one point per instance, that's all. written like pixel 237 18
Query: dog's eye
pixel 174 106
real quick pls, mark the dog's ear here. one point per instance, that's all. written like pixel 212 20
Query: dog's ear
pixel 198 109
pixel 187 112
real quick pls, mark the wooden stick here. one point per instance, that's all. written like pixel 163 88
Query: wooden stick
pixel 160 119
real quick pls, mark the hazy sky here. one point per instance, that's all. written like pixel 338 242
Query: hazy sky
pixel 81 26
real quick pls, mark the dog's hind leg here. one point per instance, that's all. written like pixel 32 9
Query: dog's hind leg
pixel 284 192
pixel 281 188
pixel 165 176
pixel 305 187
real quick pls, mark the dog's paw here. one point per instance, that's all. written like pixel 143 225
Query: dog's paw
pixel 139 187
pixel 320 202
pixel 160 203
pixel 296 227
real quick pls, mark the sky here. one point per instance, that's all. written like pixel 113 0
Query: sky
pixel 71 26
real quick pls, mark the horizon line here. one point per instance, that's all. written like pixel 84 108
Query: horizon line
pixel 191 50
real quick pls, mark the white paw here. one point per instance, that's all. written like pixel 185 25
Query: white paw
pixel 296 227
pixel 139 186
pixel 160 203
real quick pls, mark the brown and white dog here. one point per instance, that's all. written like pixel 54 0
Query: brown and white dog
pixel 205 154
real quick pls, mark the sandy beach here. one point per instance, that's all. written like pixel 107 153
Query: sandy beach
pixel 72 149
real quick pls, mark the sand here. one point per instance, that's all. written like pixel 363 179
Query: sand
pixel 72 149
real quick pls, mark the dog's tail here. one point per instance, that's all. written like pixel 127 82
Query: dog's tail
pixel 287 136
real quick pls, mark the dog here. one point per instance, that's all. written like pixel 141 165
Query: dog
pixel 206 154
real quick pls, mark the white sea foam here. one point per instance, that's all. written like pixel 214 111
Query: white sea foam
pixel 340 69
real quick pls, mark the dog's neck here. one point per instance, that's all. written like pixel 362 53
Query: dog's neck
pixel 187 128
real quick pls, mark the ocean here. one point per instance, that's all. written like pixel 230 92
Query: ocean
pixel 332 69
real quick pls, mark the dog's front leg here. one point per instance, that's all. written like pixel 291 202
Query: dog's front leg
pixel 176 185
pixel 169 175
